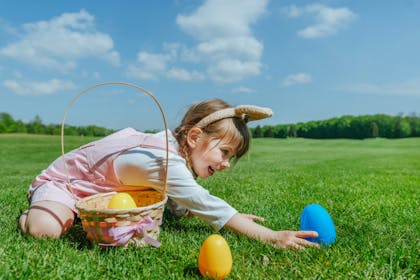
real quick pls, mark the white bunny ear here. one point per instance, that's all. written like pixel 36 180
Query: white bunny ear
pixel 244 112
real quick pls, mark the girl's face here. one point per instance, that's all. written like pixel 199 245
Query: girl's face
pixel 209 155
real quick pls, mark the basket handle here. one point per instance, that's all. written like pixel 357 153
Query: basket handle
pixel 115 83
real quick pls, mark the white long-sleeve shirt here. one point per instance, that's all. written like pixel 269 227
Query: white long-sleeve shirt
pixel 142 167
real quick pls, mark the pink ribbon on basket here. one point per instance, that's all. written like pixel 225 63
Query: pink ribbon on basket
pixel 124 234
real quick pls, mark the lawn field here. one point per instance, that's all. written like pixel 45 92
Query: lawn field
pixel 371 188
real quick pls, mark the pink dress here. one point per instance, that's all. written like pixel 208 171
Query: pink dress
pixel 122 161
pixel 90 168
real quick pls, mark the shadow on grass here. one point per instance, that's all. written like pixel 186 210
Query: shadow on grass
pixel 173 223
pixel 191 270
pixel 77 236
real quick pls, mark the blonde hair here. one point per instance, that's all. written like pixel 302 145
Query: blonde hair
pixel 232 130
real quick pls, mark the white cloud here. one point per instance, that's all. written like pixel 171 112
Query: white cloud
pixel 292 11
pixel 220 18
pixel 297 79
pixel 172 49
pixel 149 66
pixel 61 41
pixel 137 72
pixel 232 70
pixel 243 89
pixel 404 88
pixel 226 51
pixel 152 62
pixel 226 45
pixel 184 75
pixel 328 21
pixel 39 88
pixel 241 46
pixel 229 59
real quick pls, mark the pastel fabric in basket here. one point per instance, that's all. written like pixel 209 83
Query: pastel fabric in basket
pixel 123 234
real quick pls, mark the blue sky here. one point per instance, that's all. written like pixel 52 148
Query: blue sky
pixel 307 60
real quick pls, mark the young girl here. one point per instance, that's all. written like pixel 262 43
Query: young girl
pixel 211 135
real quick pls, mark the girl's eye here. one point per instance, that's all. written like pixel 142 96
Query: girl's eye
pixel 225 152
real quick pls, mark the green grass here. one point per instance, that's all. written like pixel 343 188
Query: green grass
pixel 371 189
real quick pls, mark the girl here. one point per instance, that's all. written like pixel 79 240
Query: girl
pixel 211 134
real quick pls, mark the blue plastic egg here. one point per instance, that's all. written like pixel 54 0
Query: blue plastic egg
pixel 315 217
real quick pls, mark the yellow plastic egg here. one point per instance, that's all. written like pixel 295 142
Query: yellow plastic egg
pixel 215 258
pixel 122 201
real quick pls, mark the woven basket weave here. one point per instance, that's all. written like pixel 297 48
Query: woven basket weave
pixel 120 227
pixel 98 221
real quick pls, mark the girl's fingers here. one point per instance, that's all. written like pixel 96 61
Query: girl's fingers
pixel 300 235
pixel 296 246
pixel 293 246
pixel 307 243
pixel 306 234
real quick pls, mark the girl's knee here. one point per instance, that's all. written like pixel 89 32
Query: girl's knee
pixel 43 228
pixel 46 220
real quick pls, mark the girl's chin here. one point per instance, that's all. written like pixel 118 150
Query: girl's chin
pixel 204 176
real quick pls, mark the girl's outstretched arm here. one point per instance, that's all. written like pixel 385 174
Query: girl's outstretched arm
pixel 245 224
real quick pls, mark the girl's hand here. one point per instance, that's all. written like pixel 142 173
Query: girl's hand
pixel 294 239
pixel 245 224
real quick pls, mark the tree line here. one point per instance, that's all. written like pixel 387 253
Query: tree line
pixel 356 127
pixel 10 125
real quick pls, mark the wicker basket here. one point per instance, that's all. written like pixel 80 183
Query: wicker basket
pixel 120 227
pixel 108 227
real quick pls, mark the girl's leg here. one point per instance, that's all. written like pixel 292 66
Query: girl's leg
pixel 46 219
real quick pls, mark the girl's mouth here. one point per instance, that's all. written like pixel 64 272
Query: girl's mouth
pixel 211 170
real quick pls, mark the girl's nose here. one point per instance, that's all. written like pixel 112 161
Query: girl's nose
pixel 225 164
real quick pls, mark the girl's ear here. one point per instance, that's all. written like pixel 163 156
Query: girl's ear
pixel 194 136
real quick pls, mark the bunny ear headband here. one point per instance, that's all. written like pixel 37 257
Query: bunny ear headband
pixel 244 112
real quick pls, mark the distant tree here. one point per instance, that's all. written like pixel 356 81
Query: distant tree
pixel 71 130
pixel 386 125
pixel 343 127
pixel 21 127
pixel 359 127
pixel 307 130
pixel 7 123
pixel 414 122
pixel 374 130
pixel 35 126
pixel 280 131
pixel 258 133
pixel 402 128
pixel 292 132
pixel 53 129
pixel 268 132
